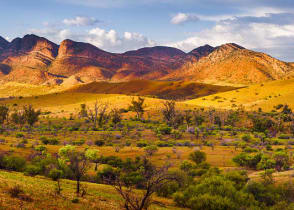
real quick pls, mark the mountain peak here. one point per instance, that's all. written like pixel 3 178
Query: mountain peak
pixel 231 46
pixel 3 43
pixel 73 48
pixel 157 51
pixel 31 42
pixel 201 51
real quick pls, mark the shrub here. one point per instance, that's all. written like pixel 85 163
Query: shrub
pixel 197 157
pixel 15 191
pixel 250 150
pixel 99 143
pixel 246 137
pixel 150 150
pixel 19 135
pixel 32 170
pixel 142 144
pixel 78 142
pixel 14 163
pixel 164 130
pixel 284 136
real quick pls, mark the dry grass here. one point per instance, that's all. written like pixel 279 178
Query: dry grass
pixel 263 96
pixel 41 190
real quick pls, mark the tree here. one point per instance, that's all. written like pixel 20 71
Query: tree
pixel 56 175
pixel 83 112
pixel 4 110
pixel 18 118
pixel 197 157
pixel 77 162
pixel 31 115
pixel 115 117
pixel 169 112
pixel 94 156
pixel 150 150
pixel 150 178
pixel 138 107
pixel 98 114
pixel 282 160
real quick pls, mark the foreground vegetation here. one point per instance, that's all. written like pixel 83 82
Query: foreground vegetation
pixel 175 158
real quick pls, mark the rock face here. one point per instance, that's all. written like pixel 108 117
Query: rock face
pixel 36 60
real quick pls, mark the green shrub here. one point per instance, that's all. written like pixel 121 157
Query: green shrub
pixel 19 135
pixel 14 163
pixel 142 144
pixel 32 170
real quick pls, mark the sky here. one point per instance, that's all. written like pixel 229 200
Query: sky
pixel 122 25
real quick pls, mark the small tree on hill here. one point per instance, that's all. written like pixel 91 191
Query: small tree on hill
pixel 115 117
pixel 56 175
pixel 197 157
pixel 77 162
pixel 4 110
pixel 148 176
pixel 138 107
pixel 94 156
pixel 83 112
pixel 18 118
pixel 169 112
pixel 31 115
pixel 98 114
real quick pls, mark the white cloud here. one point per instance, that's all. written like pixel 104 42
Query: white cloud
pixel 81 21
pixel 183 18
pixel 112 41
pixel 109 40
pixel 272 33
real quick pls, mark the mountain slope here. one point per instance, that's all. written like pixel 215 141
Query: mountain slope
pixel 160 89
pixel 265 96
pixel 27 59
pixel 233 64
pixel 36 60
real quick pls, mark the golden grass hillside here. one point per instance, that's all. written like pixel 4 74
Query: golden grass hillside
pixel 264 96
pixel 160 89
pixel 41 191
pixel 65 103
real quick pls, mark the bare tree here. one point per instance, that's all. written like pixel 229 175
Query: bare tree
pixel 169 112
pixel 98 114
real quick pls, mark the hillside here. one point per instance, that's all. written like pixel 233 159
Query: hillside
pixel 160 89
pixel 36 60
pixel 264 96
pixel 233 64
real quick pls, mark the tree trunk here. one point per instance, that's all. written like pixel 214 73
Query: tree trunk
pixel 78 186
pixel 96 166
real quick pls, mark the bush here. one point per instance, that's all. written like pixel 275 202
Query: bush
pixel 164 130
pixel 142 144
pixel 284 136
pixel 246 137
pixel 15 191
pixel 19 135
pixel 78 142
pixel 99 143
pixel 32 170
pixel 250 150
pixel 14 163
pixel 52 141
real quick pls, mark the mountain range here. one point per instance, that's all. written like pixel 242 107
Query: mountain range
pixel 36 60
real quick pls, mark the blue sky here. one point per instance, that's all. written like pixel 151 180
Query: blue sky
pixel 121 25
